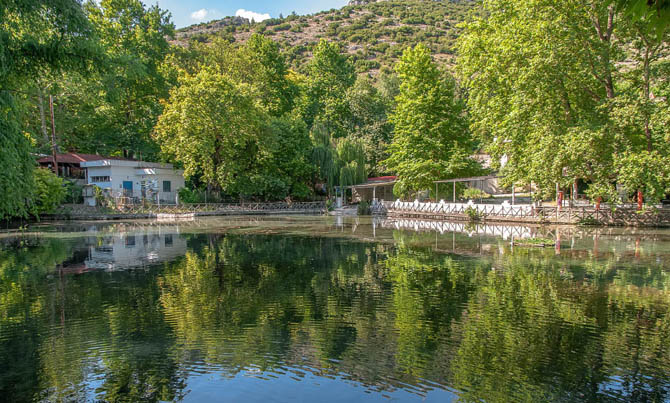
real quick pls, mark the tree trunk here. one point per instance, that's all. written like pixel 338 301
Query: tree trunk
pixel 43 121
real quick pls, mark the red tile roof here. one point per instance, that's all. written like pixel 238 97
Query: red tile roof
pixel 76 158
pixel 382 179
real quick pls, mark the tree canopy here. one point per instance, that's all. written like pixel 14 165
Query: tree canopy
pixel 564 91
pixel 431 139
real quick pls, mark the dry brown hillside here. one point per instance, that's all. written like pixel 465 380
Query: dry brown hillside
pixel 373 33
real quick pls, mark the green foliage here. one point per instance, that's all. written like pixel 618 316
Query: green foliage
pixel 431 139
pixel 473 214
pixel 213 127
pixel 330 74
pixel 363 208
pixel 474 194
pixel 549 92
pixel 37 37
pixel 654 13
pixel 16 163
pixel 645 171
pixel 351 160
pixel 49 192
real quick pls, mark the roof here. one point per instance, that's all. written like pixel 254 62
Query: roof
pixel 382 179
pixel 76 158
pixel 376 182
pixel 471 179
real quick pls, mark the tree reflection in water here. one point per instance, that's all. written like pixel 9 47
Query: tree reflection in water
pixel 519 325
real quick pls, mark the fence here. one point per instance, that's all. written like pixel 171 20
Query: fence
pixel 201 209
pixel 655 216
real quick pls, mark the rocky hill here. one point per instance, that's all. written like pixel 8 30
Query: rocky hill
pixel 374 33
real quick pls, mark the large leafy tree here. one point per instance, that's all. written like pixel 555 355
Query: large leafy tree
pixel 330 75
pixel 563 90
pixel 369 121
pixel 212 126
pixel 124 112
pixel 36 36
pixel 258 63
pixel 431 138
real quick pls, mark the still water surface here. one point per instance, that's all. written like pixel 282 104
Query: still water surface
pixel 331 309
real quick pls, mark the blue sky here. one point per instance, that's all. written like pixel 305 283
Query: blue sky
pixel 195 11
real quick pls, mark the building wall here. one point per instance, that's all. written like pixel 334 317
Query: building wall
pixel 120 174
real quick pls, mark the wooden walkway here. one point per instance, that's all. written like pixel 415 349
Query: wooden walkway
pixel 184 211
pixel 525 213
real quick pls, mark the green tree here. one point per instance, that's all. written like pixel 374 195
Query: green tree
pixel 49 191
pixel 129 90
pixel 560 111
pixel 36 36
pixel 214 129
pixel 368 121
pixel 431 138
pixel 654 13
pixel 330 74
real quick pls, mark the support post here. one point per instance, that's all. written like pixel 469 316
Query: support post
pixel 513 194
pixel 53 134
pixel 640 200
pixel 454 192
pixel 436 198
pixel 374 193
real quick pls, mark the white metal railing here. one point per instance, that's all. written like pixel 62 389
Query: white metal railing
pixel 443 208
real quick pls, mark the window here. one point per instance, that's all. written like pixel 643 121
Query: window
pixel 168 241
pixel 101 179
pixel 167 186
pixel 130 241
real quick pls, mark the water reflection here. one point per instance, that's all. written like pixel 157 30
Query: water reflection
pixel 244 315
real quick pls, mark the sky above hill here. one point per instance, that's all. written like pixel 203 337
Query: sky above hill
pixel 190 12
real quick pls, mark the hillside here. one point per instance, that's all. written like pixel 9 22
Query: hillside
pixel 373 33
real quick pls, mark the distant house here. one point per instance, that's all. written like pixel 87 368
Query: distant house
pixel 137 180
pixel 69 165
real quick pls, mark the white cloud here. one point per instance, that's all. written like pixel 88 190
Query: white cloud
pixel 250 15
pixel 200 14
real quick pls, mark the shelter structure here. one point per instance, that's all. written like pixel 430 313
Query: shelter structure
pixel 488 184
pixel 379 188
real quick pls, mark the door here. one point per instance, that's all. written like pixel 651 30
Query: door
pixel 128 188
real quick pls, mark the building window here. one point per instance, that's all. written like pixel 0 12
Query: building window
pixel 130 241
pixel 168 241
pixel 167 186
pixel 101 179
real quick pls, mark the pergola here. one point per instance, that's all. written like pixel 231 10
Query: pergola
pixel 470 179
pixel 374 185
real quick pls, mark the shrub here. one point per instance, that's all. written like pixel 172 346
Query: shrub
pixel 474 193
pixel 473 214
pixel 73 193
pixel 364 208
pixel 49 192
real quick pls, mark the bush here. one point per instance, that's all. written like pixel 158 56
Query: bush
pixel 474 193
pixel 364 208
pixel 473 214
pixel 49 192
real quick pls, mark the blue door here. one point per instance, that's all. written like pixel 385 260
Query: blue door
pixel 128 188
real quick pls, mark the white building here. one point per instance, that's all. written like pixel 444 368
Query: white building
pixel 136 248
pixel 134 179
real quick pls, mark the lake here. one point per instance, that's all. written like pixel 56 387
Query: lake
pixel 285 309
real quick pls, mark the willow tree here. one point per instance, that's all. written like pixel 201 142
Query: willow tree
pixel 338 162
pixel 431 138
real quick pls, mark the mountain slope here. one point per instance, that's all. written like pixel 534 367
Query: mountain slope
pixel 373 33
